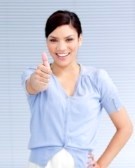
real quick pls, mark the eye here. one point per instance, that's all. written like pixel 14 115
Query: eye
pixel 53 40
pixel 69 39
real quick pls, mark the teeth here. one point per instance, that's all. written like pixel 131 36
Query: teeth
pixel 62 55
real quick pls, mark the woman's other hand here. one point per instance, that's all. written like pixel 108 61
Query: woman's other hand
pixel 91 162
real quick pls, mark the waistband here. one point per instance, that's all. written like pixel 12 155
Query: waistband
pixel 41 156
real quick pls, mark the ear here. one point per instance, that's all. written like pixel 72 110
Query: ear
pixel 80 40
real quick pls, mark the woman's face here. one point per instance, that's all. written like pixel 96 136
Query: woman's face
pixel 63 44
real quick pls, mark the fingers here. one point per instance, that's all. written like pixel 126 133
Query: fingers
pixel 40 78
pixel 45 60
pixel 43 69
pixel 46 66
pixel 42 74
pixel 91 162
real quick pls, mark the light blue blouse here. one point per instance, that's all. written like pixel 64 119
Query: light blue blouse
pixel 71 122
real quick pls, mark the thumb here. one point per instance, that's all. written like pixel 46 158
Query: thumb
pixel 45 60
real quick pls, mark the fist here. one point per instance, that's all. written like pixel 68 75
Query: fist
pixel 39 80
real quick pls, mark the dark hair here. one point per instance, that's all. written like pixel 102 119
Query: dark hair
pixel 62 17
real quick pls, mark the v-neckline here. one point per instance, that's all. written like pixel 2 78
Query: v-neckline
pixel 76 84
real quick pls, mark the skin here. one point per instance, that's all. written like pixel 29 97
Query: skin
pixel 64 41
pixel 123 132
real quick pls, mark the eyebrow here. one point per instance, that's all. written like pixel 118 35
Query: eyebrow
pixel 69 36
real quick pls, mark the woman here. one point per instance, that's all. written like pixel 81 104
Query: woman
pixel 66 101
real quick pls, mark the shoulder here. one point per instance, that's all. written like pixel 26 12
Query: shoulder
pixel 98 76
pixel 94 73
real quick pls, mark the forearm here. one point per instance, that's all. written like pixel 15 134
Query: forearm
pixel 117 142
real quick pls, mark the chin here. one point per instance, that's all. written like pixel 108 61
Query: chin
pixel 63 64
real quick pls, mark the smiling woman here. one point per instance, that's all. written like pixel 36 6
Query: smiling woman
pixel 66 101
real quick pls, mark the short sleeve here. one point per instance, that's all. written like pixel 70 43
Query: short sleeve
pixel 110 99
pixel 25 75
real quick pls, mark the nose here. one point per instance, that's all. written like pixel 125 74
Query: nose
pixel 61 46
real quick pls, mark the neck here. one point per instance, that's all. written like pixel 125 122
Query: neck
pixel 66 70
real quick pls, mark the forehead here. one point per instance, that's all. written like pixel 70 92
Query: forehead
pixel 64 30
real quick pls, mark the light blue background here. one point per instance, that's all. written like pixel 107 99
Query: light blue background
pixel 109 43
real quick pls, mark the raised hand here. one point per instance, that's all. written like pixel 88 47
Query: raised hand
pixel 39 80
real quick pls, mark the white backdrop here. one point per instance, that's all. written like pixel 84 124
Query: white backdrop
pixel 109 43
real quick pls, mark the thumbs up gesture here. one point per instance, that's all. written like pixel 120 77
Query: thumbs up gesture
pixel 39 80
pixel 45 60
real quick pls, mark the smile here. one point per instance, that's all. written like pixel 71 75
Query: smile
pixel 62 55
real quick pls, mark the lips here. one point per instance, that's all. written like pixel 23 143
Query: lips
pixel 62 55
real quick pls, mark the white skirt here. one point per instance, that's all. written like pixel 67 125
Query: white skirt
pixel 62 159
